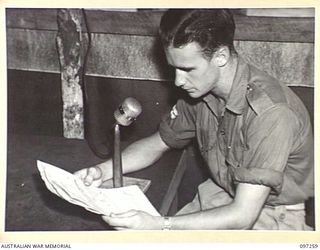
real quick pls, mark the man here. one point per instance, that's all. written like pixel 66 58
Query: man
pixel 253 132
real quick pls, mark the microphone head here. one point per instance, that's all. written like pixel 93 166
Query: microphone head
pixel 128 111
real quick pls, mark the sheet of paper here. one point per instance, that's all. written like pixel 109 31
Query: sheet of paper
pixel 96 200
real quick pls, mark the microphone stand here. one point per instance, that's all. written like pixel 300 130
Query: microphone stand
pixel 127 112
pixel 117 162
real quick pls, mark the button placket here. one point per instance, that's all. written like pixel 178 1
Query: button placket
pixel 208 138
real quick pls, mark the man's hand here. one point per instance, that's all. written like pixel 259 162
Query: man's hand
pixel 92 176
pixel 134 220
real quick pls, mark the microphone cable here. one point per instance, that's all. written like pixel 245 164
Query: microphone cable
pixel 86 104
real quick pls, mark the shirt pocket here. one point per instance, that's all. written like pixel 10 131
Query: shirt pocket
pixel 206 146
pixel 207 141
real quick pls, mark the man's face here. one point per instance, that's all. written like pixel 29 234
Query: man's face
pixel 194 73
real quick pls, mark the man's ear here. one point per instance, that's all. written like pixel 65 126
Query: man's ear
pixel 221 56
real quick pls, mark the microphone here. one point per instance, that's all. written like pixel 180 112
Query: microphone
pixel 127 112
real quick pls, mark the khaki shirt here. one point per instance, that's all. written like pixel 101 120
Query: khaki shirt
pixel 262 136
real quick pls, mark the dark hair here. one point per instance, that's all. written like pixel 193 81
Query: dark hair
pixel 210 28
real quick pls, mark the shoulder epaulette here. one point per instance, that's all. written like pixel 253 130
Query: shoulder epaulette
pixel 262 98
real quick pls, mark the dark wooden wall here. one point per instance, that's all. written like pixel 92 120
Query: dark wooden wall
pixel 35 104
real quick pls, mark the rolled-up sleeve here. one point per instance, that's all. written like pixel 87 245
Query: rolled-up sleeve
pixel 270 138
pixel 178 131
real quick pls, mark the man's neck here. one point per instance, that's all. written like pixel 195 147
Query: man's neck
pixel 227 74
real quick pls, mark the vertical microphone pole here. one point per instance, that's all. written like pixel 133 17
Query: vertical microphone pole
pixel 117 162
pixel 127 112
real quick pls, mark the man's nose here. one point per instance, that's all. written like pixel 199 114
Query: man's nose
pixel 179 78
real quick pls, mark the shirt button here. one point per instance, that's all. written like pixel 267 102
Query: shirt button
pixel 282 217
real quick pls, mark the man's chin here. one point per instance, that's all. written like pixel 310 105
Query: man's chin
pixel 194 94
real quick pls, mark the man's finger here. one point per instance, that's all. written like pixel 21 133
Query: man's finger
pixel 124 214
pixel 92 174
pixel 81 174
pixel 120 222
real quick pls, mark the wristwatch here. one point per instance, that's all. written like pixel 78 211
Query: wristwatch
pixel 166 223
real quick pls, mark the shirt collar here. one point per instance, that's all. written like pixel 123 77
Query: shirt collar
pixel 236 100
pixel 212 102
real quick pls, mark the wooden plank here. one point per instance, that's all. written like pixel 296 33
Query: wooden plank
pixel 174 183
pixel 128 23
pixel 274 29
pixel 110 56
pixel 145 23
pixel 35 19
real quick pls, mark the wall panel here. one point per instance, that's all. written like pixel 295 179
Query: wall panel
pixel 141 57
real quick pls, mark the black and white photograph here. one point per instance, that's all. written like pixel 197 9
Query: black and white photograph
pixel 160 119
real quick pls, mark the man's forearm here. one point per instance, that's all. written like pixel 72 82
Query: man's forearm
pixel 241 213
pixel 221 218
pixel 138 155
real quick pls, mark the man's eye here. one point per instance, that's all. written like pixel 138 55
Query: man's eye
pixel 185 70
